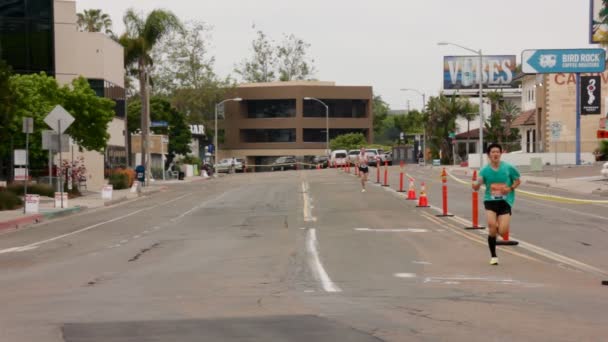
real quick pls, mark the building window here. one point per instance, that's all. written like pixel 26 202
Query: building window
pixel 264 109
pixel 26 35
pixel 319 135
pixel 268 135
pixel 337 108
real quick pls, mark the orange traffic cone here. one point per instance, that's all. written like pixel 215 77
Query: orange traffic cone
pixel 411 193
pixel 505 241
pixel 423 202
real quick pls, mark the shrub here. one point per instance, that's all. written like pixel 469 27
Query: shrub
pixel 191 160
pixel 129 173
pixel 35 189
pixel 9 201
pixel 119 181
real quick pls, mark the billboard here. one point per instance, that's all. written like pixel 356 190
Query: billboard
pixel 596 28
pixel 591 93
pixel 461 72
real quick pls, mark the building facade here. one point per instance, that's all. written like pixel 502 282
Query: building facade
pixel 275 119
pixel 42 35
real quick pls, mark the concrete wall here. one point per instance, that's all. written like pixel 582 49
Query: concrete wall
pixel 90 54
pixel 116 129
pixel 523 159
pixel 561 106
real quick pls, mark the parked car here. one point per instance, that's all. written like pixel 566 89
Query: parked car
pixel 323 160
pixel 228 165
pixel 353 156
pixel 604 170
pixel 338 157
pixel 224 165
pixel 284 163
pixel 372 156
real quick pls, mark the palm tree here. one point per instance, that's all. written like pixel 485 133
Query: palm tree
pixel 442 112
pixel 94 20
pixel 142 34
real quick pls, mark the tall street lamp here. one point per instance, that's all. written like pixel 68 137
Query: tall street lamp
pixel 423 108
pixel 326 121
pixel 217 146
pixel 480 72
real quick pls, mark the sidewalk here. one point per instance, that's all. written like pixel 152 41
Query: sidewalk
pixel 585 179
pixel 14 219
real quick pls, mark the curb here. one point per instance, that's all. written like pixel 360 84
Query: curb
pixel 21 222
pixel 538 183
pixel 62 213
pixel 115 201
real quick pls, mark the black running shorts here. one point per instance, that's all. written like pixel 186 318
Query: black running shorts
pixel 499 207
pixel 364 169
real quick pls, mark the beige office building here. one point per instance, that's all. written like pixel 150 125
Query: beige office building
pixel 274 119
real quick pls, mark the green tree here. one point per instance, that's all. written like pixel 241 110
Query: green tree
pixel 380 110
pixel 37 94
pixel 184 73
pixel 270 62
pixel 142 34
pixel 94 20
pixel 178 130
pixel 348 141
pixel 499 126
pixel 442 112
pixel 259 67
pixel 293 63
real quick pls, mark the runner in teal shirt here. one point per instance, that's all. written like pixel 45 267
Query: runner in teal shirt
pixel 501 179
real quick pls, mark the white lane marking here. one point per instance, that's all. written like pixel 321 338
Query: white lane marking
pixel 549 254
pixel 146 232
pixel 421 262
pixel 315 262
pixel 463 278
pixel 18 249
pixel 124 241
pixel 137 236
pixel 392 230
pixel 156 228
pixel 37 244
pixel 405 275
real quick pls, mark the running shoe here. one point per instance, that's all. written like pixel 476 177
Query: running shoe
pixel 494 261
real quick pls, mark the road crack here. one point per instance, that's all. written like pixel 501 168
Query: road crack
pixel 138 255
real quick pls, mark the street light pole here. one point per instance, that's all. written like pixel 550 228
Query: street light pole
pixel 480 74
pixel 326 121
pixel 423 108
pixel 215 134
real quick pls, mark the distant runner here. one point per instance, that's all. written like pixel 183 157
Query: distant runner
pixel 363 168
pixel 501 179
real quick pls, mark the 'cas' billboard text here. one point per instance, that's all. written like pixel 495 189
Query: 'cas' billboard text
pixel 461 72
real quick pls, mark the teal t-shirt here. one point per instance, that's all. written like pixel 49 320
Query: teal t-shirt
pixel 495 180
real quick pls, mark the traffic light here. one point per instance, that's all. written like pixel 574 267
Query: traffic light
pixel 602 134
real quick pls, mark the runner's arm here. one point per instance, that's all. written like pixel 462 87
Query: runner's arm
pixel 477 185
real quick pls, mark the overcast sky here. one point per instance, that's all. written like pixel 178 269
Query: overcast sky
pixel 387 44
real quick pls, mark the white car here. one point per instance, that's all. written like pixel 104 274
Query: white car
pixel 604 170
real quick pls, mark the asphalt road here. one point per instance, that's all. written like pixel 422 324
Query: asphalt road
pixel 302 256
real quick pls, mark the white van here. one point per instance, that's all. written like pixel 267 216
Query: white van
pixel 338 157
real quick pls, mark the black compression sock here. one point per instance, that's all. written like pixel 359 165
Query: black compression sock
pixel 492 245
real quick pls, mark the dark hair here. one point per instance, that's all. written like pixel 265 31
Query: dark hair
pixel 493 145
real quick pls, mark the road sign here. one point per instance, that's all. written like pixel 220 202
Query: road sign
pixel 55 116
pixel 452 135
pixel 159 124
pixel 20 157
pixel 563 60
pixel 28 125
pixel 556 130
pixel 49 141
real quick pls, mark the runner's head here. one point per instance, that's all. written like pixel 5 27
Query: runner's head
pixel 494 152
